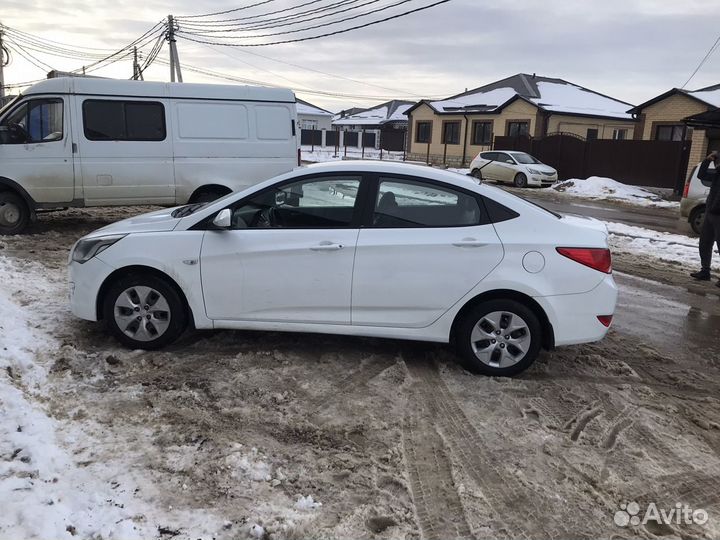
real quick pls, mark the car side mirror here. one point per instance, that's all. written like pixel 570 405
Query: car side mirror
pixel 224 219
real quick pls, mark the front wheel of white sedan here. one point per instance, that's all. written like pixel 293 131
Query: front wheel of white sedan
pixel 500 338
pixel 144 312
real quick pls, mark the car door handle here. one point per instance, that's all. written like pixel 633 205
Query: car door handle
pixel 327 246
pixel 469 242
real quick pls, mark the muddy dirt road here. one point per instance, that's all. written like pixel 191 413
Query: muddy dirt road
pixel 394 438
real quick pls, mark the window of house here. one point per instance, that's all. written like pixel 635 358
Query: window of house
pixel 105 120
pixel 327 202
pixel 423 132
pixel 35 121
pixel 451 132
pixel 670 133
pixel 482 133
pixel 516 129
pixel 592 134
pixel 411 203
pixel 619 134
pixel 306 123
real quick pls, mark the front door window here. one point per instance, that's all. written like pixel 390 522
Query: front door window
pixel 35 121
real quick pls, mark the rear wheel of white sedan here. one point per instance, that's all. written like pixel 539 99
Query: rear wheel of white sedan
pixel 499 338
pixel 144 312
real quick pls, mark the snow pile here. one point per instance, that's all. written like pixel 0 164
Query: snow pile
pixel 248 464
pixel 667 247
pixel 307 503
pixel 598 187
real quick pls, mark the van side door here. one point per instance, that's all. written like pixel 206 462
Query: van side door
pixel 125 151
pixel 36 148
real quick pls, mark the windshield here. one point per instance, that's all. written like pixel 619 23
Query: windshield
pixel 525 159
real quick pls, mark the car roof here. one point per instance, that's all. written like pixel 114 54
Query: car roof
pixel 388 167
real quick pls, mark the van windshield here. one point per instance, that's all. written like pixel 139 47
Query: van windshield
pixel 9 104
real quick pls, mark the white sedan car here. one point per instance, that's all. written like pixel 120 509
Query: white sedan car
pixel 359 248
pixel 511 167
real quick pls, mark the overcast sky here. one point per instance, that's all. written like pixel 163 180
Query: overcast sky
pixel 632 50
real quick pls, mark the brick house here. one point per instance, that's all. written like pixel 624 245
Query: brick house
pixel 663 118
pixel 456 129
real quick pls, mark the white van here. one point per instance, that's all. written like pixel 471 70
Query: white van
pixel 77 141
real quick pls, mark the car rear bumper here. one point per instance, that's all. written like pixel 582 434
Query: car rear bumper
pixel 574 317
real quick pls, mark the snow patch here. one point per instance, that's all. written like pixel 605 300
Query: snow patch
pixel 248 464
pixel 598 187
pixel 307 503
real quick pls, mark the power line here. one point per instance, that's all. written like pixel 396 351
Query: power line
pixel 285 20
pixel 702 62
pixel 312 70
pixel 181 18
pixel 322 25
pixel 228 10
pixel 327 34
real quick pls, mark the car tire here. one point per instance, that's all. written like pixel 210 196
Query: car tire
pixel 697 216
pixel 144 311
pixel 207 196
pixel 520 180
pixel 477 173
pixel 14 213
pixel 499 355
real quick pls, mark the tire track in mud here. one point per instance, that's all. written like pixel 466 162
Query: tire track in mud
pixel 438 509
pixel 521 512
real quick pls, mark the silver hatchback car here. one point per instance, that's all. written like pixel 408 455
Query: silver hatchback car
pixel 692 205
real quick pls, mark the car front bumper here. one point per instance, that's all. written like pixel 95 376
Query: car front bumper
pixel 84 282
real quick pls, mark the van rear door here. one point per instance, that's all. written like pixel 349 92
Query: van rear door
pixel 126 151
pixel 36 148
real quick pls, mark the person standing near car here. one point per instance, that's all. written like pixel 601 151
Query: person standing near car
pixel 710 233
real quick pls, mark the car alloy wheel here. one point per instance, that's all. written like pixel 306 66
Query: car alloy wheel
pixel 144 311
pixel 499 338
pixel 696 220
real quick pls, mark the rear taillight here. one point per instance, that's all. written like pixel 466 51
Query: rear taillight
pixel 687 188
pixel 596 258
pixel 606 320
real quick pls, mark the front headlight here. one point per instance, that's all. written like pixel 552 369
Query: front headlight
pixel 85 250
pixel 534 171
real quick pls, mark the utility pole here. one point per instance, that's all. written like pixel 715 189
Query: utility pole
pixel 174 59
pixel 137 72
pixel 3 60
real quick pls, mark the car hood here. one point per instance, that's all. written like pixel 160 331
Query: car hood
pixel 158 221
pixel 541 167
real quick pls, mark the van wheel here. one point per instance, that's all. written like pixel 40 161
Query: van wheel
pixel 697 216
pixel 500 338
pixel 144 312
pixel 520 180
pixel 14 213
pixel 208 196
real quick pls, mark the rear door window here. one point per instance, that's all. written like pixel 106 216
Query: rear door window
pixel 404 203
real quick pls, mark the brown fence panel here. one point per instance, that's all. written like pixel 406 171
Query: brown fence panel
pixel 332 138
pixel 393 140
pixel 310 137
pixel 506 142
pixel 641 163
pixel 566 153
pixel 368 139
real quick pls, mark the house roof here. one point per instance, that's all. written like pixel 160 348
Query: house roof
pixel 708 119
pixel 555 96
pixel 391 111
pixel 303 107
pixel 710 95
